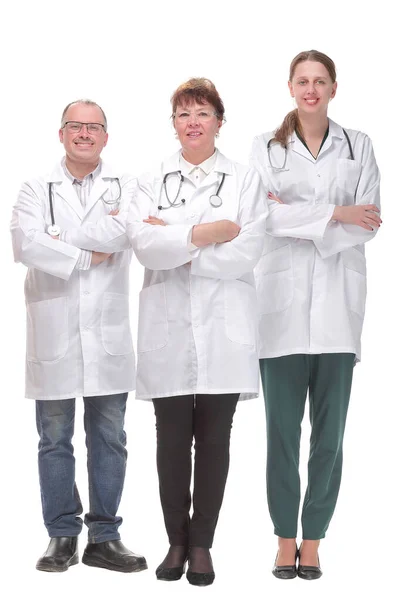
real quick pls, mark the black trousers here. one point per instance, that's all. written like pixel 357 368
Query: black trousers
pixel 208 420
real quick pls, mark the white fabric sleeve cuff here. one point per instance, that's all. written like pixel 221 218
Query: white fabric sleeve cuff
pixel 190 246
pixel 84 260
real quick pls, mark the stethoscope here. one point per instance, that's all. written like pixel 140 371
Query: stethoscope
pixel 215 200
pixel 54 229
pixel 282 168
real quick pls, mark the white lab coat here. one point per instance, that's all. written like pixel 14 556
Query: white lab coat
pixel 78 335
pixel 311 279
pixel 197 312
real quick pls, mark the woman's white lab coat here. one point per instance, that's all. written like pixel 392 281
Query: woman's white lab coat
pixel 197 312
pixel 311 279
pixel 78 335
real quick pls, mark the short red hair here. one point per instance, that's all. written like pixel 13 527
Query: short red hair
pixel 200 90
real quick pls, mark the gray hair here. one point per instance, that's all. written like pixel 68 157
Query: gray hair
pixel 88 103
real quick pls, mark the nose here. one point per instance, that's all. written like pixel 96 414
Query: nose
pixel 193 119
pixel 311 89
pixel 84 130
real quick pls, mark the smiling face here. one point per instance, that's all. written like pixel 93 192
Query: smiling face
pixel 196 126
pixel 312 87
pixel 83 147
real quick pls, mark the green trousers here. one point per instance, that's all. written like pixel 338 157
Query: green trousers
pixel 286 380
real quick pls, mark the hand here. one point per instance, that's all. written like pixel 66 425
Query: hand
pixel 272 196
pixel 99 257
pixel 114 212
pixel 363 215
pixel 154 221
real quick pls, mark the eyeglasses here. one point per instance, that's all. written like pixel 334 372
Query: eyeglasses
pixel 202 116
pixel 76 127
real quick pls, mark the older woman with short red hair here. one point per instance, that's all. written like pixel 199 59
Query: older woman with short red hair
pixel 204 220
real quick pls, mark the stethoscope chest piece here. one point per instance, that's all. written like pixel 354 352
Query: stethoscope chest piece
pixel 215 201
pixel 54 230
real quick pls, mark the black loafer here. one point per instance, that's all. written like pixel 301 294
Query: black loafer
pixel 114 556
pixel 286 571
pixel 309 572
pixel 170 573
pixel 200 579
pixel 62 553
pixel 177 554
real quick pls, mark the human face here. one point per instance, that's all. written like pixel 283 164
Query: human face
pixel 312 87
pixel 83 147
pixel 196 126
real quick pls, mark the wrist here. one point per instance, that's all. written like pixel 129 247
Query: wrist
pixel 337 214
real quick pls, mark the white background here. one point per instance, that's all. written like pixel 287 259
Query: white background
pixel 129 57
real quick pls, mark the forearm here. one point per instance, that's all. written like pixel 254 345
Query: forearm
pixel 232 259
pixel 308 222
pixel 40 251
pixel 160 248
pixel 107 235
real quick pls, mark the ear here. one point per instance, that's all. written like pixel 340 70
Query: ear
pixel 105 140
pixel 61 135
pixel 334 88
pixel 290 86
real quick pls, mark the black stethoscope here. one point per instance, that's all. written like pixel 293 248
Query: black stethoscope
pixel 215 200
pixel 54 229
pixel 286 152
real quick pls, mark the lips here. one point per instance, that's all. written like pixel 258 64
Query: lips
pixel 311 101
pixel 83 143
pixel 194 134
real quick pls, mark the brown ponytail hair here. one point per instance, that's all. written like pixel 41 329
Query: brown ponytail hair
pixel 292 122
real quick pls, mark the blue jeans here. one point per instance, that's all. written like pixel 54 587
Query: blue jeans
pixel 106 463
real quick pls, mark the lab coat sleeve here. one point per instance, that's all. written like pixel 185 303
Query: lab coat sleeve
pixel 107 234
pixel 157 247
pixel 341 236
pixel 32 246
pixel 307 222
pixel 233 259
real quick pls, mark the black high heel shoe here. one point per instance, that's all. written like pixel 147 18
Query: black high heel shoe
pixel 309 572
pixel 286 571
pixel 170 573
pixel 200 579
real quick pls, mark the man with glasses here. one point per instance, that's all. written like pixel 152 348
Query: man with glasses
pixel 78 341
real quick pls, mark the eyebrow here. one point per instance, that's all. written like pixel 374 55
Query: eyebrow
pixel 188 109
pixel 315 77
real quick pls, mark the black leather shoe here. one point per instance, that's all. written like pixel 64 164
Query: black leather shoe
pixel 309 572
pixel 201 579
pixel 114 556
pixel 62 552
pixel 164 573
pixel 286 571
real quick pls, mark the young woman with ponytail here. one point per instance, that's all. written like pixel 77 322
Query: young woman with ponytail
pixel 322 184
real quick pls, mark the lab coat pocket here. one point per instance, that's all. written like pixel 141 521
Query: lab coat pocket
pixel 115 328
pixel 355 280
pixel 240 312
pixel 153 324
pixel 347 177
pixel 275 283
pixel 47 330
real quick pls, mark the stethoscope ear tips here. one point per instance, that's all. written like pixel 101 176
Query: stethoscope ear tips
pixel 159 207
pixel 183 200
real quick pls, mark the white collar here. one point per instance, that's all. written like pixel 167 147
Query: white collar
pixel 206 166
pixel 91 175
